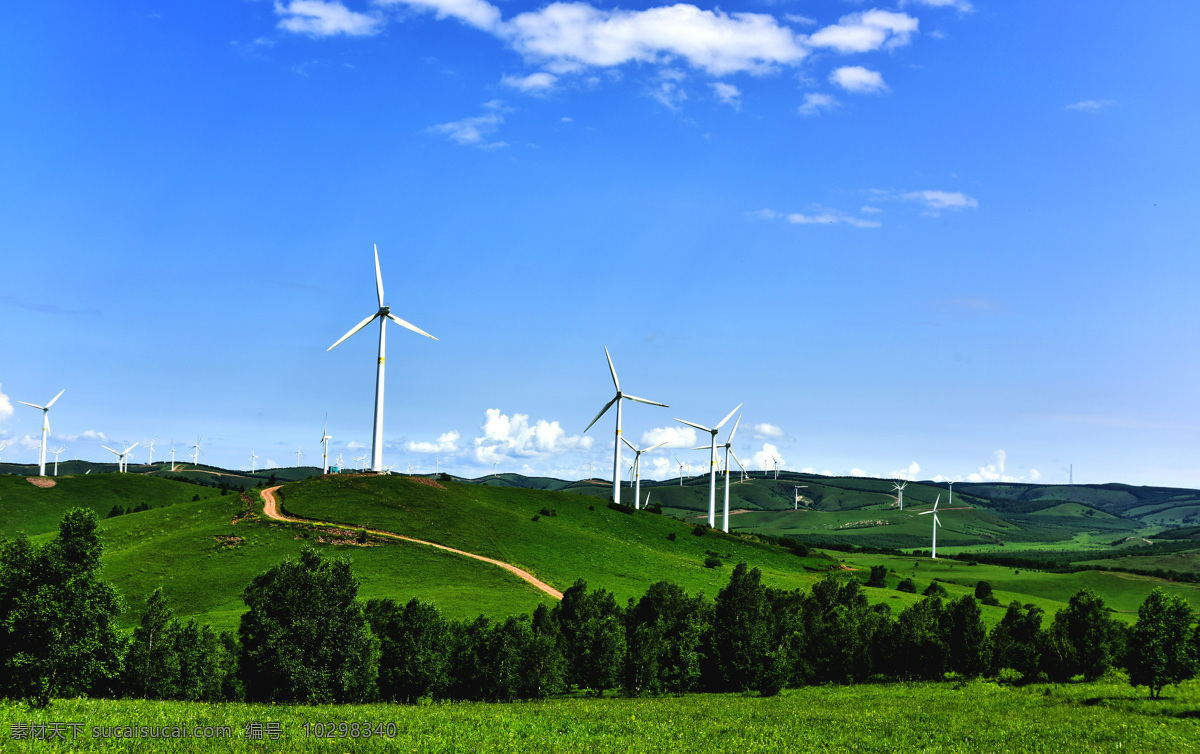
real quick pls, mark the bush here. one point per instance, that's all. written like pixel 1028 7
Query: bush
pixel 907 585
pixel 536 517
pixel 934 590
pixel 548 512
pixel 712 561
pixel 362 537
pixel 627 510
pixel 878 576
pixel 671 536
pixel 700 530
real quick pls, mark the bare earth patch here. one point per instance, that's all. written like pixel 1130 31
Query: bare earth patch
pixel 44 482
pixel 425 480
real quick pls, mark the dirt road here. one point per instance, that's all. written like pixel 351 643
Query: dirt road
pixel 271 509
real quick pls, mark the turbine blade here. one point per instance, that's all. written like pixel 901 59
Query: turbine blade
pixel 43 408
pixel 52 400
pixel 409 325
pixel 612 369
pixel 643 400
pixel 357 327
pixel 652 447
pixel 635 450
pixel 734 430
pixel 731 413
pixel 607 406
pixel 702 447
pixel 935 503
pixel 936 520
pixel 697 426
pixel 378 277
pixel 739 461
pixel 131 447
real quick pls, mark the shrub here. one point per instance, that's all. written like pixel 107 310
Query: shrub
pixel 700 530
pixel 907 585
pixel 878 576
pixel 362 537
pixel 671 536
pixel 712 561
pixel 536 517
pixel 934 590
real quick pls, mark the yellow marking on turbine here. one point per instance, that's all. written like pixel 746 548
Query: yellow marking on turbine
pixel 381 359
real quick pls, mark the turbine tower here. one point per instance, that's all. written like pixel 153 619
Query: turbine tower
pixel 680 471
pixel 617 439
pixel 796 492
pixel 712 463
pixel 56 452
pixel 172 455
pixel 325 438
pixel 150 450
pixel 383 315
pixel 936 524
pixel 298 454
pixel 729 452
pixel 899 487
pixel 45 428
pixel 196 452
pixel 637 469
pixel 253 458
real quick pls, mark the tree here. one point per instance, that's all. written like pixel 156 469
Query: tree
pixel 304 637
pixel 413 662
pixel 1015 641
pixel 1082 640
pixel 966 637
pixel 1159 654
pixel 152 660
pixel 544 667
pixel 919 649
pixel 57 617
pixel 741 629
pixel 878 576
pixel 593 635
pixel 201 663
pixel 662 636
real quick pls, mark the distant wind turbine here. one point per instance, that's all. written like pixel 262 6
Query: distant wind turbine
pixel 936 524
pixel 951 501
pixel 899 487
pixel 680 471
pixel 45 428
pixel 796 491
pixel 121 455
pixel 383 315
pixel 253 458
pixel 196 452
pixel 150 451
pixel 617 439
pixel 172 455
pixel 4 444
pixel 56 452
pixel 298 455
pixel 729 452
pixel 712 463
pixel 776 460
pixel 637 468
pixel 325 438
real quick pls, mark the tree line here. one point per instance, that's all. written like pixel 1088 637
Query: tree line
pixel 306 637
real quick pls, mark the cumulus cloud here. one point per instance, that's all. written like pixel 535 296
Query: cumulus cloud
pixel 533 83
pixel 318 18
pixel 823 216
pixel 995 471
pixel 855 78
pixel 961 5
pixel 766 458
pixel 355 445
pixel 674 437
pixel 473 131
pixel 866 31
pixel 29 442
pixel 1091 105
pixel 766 431
pixel 6 406
pixel 503 437
pixel 910 473
pixel 90 435
pixel 446 443
pixel 936 201
pixel 815 103
pixel 728 93
pixel 478 13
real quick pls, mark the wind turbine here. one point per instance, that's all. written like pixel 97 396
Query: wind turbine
pixel 637 468
pixel 45 428
pixel 4 444
pixel 776 460
pixel 617 438
pixel 494 465
pixel 680 470
pixel 383 315
pixel 951 485
pixel 150 450
pixel 56 452
pixel 936 524
pixel 172 455
pixel 712 463
pixel 438 467
pixel 196 452
pixel 728 452
pixel 325 438
pixel 298 454
pixel 253 458
pixel 121 455
pixel 591 470
pixel 899 487
pixel 796 491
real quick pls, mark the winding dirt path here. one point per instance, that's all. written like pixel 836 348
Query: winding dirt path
pixel 271 509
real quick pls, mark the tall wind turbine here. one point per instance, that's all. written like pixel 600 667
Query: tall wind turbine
pixel 253 458
pixel 729 452
pixel 617 438
pixel 196 452
pixel 936 524
pixel 325 438
pixel 712 463
pixel 796 492
pixel 637 468
pixel 121 455
pixel 298 454
pixel 776 460
pixel 899 487
pixel 45 428
pixel 680 470
pixel 172 455
pixel 384 314
pixel 150 450
pixel 951 501
pixel 56 452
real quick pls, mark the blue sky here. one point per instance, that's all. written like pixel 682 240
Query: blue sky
pixel 934 238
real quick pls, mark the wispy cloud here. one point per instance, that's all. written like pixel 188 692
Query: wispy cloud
pixel 318 18
pixel 936 201
pixel 855 78
pixel 534 83
pixel 866 31
pixel 475 130
pixel 1091 105
pixel 961 5
pixel 995 472
pixel 6 406
pixel 728 93
pixel 766 431
pixel 818 215
pixel 674 437
pixel 815 103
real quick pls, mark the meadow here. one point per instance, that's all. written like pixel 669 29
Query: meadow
pixel 972 716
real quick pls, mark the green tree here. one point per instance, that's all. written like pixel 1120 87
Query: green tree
pixel 662 637
pixel 57 617
pixel 545 666
pixel 1159 654
pixel 304 637
pixel 919 649
pixel 152 659
pixel 1082 640
pixel 878 576
pixel 741 629
pixel 966 637
pixel 593 633
pixel 1015 641
pixel 840 628
pixel 413 661
pixel 201 663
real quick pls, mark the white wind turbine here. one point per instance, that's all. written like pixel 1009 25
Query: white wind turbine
pixel 4 444
pixel 196 452
pixel 796 491
pixel 325 438
pixel 45 428
pixel 150 451
pixel 298 455
pixel 617 438
pixel 776 460
pixel 253 458
pixel 728 452
pixel 712 463
pixel 899 487
pixel 680 470
pixel 951 500
pixel 637 468
pixel 121 455
pixel 56 452
pixel 172 455
pixel 936 524
pixel 384 314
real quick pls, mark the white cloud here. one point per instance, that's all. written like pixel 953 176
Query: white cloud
pixel 763 214
pixel 1091 105
pixel 446 443
pixel 858 472
pixel 765 459
pixel 961 5
pixel 910 473
pixel 867 31
pixel 995 471
pixel 728 93
pixel 505 437
pixel 815 102
pixel 936 201
pixel 90 435
pixel 477 13
pixel 573 34
pixel 668 89
pixel 674 437
pixel 855 78
pixel 6 406
pixel 29 442
pixel 663 467
pixel 533 83
pixel 355 445
pixel 767 431
pixel 830 217
pixel 472 131
pixel 318 18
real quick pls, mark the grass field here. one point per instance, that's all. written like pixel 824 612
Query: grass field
pixel 929 717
